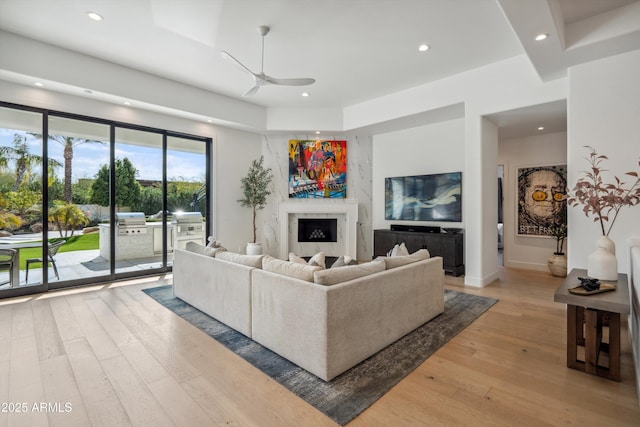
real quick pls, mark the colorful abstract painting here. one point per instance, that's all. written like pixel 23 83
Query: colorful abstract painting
pixel 317 169
pixel 541 194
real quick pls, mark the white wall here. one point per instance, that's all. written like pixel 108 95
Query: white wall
pixel 234 152
pixel 437 148
pixel 549 149
pixel 604 113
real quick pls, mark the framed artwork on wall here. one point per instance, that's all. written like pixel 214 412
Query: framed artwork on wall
pixel 541 203
pixel 317 169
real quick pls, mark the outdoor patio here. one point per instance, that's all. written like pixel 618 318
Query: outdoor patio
pixel 76 264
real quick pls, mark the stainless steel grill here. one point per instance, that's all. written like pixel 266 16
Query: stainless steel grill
pixel 131 223
pixel 187 227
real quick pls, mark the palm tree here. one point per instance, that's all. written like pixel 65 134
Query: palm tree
pixel 23 158
pixel 69 143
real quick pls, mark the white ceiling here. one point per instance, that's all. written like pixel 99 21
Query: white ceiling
pixel 356 50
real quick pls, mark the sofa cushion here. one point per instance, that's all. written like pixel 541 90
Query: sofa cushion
pixel 333 276
pixel 343 261
pixel 397 261
pixel 248 260
pixel 290 269
pixel 203 250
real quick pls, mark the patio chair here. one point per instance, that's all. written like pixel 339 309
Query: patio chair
pixel 51 252
pixel 8 257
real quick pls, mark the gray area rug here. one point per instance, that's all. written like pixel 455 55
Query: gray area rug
pixel 346 396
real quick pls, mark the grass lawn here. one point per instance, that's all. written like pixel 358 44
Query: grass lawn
pixel 81 242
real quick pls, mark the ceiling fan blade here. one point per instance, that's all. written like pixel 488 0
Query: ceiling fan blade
pixel 290 82
pixel 235 62
pixel 253 90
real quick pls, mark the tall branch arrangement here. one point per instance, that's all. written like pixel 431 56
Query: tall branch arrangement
pixel 255 189
pixel 600 199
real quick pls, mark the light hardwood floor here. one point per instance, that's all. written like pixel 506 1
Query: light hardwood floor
pixel 119 358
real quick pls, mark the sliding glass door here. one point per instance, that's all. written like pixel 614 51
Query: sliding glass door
pixel 86 200
pixel 22 183
pixel 80 147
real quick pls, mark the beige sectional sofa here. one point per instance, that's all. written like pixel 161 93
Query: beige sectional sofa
pixel 323 328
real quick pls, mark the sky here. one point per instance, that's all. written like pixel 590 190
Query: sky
pixel 89 158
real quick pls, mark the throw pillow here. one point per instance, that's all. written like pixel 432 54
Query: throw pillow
pixel 398 250
pixel 344 261
pixel 397 261
pixel 290 269
pixel 213 243
pixel 334 276
pixel 317 260
pixel 248 260
pixel 201 249
pixel 295 258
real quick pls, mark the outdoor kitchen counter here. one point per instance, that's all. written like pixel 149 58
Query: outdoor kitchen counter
pixel 147 243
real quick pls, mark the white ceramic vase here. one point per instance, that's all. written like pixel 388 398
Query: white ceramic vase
pixel 254 248
pixel 602 263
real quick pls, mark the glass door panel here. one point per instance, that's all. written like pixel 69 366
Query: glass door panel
pixel 186 191
pixel 76 220
pixel 21 178
pixel 138 200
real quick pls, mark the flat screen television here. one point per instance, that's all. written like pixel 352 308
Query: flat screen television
pixel 436 197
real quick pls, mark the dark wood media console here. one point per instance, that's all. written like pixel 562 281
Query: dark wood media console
pixel 449 246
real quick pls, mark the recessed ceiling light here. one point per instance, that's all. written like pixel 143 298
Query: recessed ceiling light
pixel 305 94
pixel 209 120
pixel 38 84
pixel 127 103
pixel 541 37
pixel 540 127
pixel 317 132
pixel 95 16
pixel 423 47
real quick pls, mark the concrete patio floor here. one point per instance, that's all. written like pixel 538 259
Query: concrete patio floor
pixel 83 264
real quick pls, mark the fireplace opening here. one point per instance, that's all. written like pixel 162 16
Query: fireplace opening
pixel 317 230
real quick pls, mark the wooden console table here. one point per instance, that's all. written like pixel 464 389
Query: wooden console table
pixel 584 324
pixel 449 246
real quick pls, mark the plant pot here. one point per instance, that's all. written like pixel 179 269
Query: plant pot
pixel 558 265
pixel 254 248
pixel 602 263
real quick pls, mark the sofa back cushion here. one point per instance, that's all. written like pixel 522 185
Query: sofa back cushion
pixel 290 269
pixel 248 260
pixel 397 261
pixel 203 250
pixel 334 276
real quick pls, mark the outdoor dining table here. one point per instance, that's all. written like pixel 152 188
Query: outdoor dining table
pixel 16 265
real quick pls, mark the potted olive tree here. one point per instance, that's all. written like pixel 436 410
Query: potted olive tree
pixel 255 190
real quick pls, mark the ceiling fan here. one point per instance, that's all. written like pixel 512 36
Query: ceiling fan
pixel 261 79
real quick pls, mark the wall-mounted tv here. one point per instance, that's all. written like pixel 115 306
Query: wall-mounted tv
pixel 436 197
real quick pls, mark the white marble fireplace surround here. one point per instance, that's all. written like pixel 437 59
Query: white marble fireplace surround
pixel 346 212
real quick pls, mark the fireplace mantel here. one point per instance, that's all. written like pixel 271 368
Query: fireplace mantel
pixel 348 208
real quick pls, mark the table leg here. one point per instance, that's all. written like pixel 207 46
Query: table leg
pixel 592 340
pixel 580 325
pixel 614 346
pixel 572 335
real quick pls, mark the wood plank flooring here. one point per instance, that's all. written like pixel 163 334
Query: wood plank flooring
pixel 115 357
